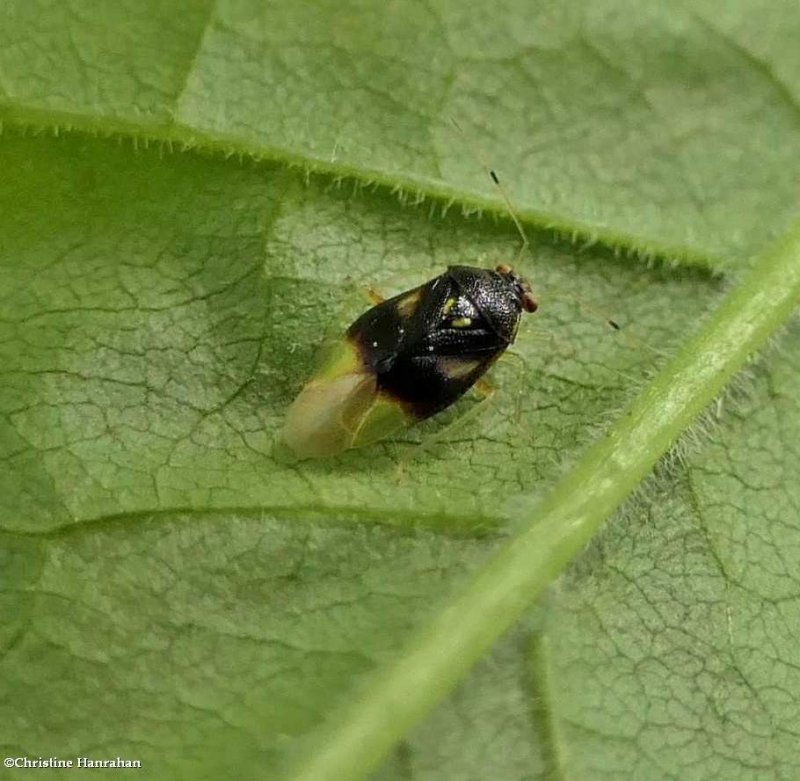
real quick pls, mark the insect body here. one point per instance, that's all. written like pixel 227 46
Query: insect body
pixel 408 358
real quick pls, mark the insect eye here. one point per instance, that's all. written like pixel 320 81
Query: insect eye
pixel 529 303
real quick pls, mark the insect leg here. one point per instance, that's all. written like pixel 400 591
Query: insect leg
pixel 486 391
pixel 485 388
pixel 522 365
pixel 374 296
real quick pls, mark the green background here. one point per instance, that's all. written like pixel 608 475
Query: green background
pixel 175 591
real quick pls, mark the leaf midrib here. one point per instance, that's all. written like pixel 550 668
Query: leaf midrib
pixel 553 531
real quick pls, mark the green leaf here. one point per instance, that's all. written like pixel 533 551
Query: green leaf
pixel 636 123
pixel 460 633
pixel 173 591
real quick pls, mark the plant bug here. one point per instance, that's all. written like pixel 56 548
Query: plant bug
pixel 411 356
pixel 407 358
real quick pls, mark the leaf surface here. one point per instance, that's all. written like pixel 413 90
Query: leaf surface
pixel 637 123
pixel 177 591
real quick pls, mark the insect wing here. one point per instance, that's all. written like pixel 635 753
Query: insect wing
pixel 340 408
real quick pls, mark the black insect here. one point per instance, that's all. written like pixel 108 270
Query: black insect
pixel 408 358
pixel 428 346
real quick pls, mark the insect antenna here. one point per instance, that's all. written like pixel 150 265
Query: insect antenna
pixel 481 156
pixel 526 244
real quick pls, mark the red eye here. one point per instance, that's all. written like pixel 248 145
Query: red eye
pixel 529 303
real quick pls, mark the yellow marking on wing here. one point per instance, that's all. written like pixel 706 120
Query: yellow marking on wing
pixel 457 368
pixel 461 322
pixel 341 358
pixel 448 305
pixel 406 306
